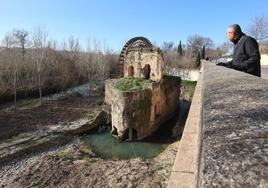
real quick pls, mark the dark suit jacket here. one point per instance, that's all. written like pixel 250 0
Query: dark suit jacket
pixel 246 56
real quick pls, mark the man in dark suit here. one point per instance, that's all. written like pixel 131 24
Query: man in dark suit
pixel 246 56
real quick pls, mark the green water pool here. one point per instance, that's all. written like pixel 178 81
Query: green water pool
pixel 106 146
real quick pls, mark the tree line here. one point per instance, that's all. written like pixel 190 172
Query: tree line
pixel 189 55
pixel 30 64
pixel 199 47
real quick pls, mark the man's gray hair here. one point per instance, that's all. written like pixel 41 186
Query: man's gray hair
pixel 237 29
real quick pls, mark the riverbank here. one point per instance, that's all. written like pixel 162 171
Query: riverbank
pixel 71 163
pixel 74 166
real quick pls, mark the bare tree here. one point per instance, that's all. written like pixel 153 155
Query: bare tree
pixel 167 46
pixel 44 65
pixel 21 39
pixel 39 44
pixel 52 44
pixel 15 73
pixel 259 28
pixel 8 40
pixel 63 45
pixel 196 42
pixel 74 45
pixel 91 64
pixel 226 48
pixel 98 60
pixel 73 48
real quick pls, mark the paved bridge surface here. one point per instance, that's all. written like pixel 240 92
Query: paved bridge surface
pixel 264 72
pixel 225 139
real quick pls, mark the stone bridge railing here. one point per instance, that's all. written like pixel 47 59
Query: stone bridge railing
pixel 225 139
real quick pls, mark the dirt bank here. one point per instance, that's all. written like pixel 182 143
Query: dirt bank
pixel 75 165
pixel 33 117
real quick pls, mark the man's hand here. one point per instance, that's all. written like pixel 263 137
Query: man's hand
pixel 222 64
pixel 228 65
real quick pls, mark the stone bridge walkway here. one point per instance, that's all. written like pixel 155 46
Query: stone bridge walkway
pixel 264 72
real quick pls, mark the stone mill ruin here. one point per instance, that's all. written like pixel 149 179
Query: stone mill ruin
pixel 143 98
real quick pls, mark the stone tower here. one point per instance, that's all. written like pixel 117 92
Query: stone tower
pixel 144 98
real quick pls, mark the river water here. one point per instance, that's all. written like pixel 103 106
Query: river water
pixel 106 146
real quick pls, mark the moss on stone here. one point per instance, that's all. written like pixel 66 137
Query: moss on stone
pixel 66 154
pixel 188 83
pixel 132 84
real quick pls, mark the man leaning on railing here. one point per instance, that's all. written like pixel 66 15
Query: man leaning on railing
pixel 246 56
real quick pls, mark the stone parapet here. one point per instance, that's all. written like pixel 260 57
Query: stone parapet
pixel 235 129
pixel 228 146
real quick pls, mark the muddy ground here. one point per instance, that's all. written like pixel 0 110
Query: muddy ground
pixel 33 117
pixel 73 164
pixel 71 167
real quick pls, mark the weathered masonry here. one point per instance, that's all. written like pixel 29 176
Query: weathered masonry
pixel 144 98
pixel 224 142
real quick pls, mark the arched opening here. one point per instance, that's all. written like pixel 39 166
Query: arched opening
pixel 130 71
pixel 147 71
pixel 114 131
pixel 133 134
pixel 129 134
